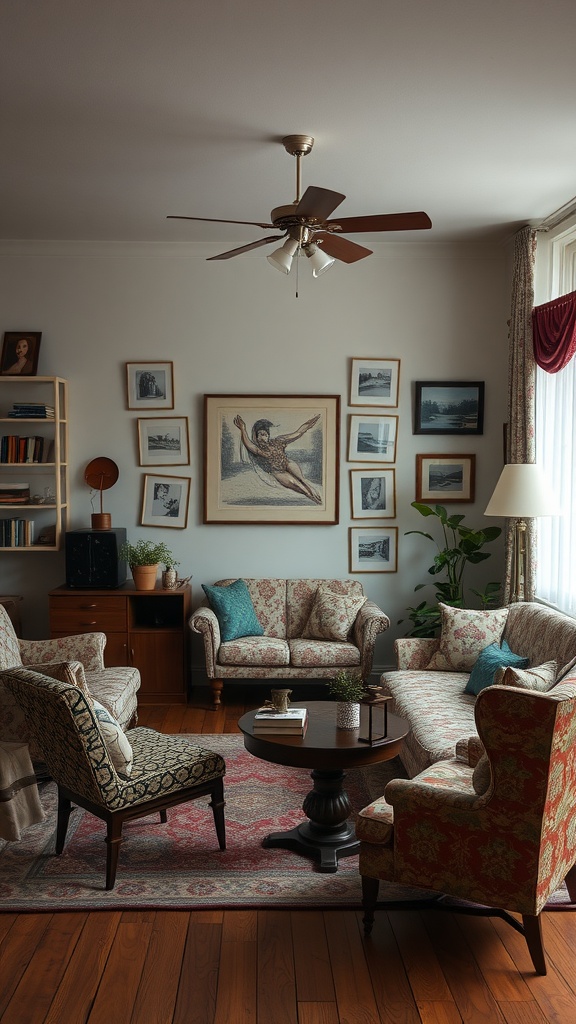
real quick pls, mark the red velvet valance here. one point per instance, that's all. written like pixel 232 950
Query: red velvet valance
pixel 554 332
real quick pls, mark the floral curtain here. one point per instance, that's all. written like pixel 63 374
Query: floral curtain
pixel 521 390
pixel 554 330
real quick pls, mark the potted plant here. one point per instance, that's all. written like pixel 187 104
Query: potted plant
pixel 169 574
pixel 144 558
pixel 347 688
pixel 462 547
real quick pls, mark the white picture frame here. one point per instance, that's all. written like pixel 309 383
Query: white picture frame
pixel 373 549
pixel 375 382
pixel 150 385
pixel 163 441
pixel 372 438
pixel 165 501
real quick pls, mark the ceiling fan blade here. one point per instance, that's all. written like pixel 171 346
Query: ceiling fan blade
pixel 383 222
pixel 246 248
pixel 341 248
pixel 217 220
pixel 318 203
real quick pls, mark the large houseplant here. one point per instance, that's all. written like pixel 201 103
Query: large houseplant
pixel 144 557
pixel 462 547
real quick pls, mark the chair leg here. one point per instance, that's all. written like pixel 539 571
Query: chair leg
pixel 163 817
pixel 533 935
pixel 370 887
pixel 218 803
pixel 113 841
pixel 571 883
pixel 64 809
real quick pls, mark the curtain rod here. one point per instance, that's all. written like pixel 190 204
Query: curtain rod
pixel 558 216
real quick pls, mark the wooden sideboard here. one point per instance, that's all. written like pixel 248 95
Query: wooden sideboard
pixel 147 629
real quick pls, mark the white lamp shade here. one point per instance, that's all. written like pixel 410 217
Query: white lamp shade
pixel 522 492
pixel 319 261
pixel 281 258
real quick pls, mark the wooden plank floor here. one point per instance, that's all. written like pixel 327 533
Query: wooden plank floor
pixel 273 966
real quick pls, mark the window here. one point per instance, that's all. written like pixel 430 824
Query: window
pixel 556 429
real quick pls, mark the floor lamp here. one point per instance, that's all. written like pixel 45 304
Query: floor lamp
pixel 522 493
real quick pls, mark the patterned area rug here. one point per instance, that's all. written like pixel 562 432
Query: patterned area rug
pixel 179 865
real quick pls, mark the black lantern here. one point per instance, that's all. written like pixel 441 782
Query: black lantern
pixel 377 724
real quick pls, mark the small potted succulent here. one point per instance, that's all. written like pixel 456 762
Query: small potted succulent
pixel 348 690
pixel 144 557
pixel 169 573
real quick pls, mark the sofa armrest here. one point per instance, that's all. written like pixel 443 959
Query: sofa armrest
pixel 85 647
pixel 370 622
pixel 470 750
pixel 414 652
pixel 204 621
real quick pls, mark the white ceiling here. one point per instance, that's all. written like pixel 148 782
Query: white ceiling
pixel 114 113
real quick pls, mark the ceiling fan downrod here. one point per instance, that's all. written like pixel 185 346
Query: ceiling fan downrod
pixel 298 146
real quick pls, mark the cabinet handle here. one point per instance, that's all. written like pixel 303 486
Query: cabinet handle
pixel 94 623
pixel 131 655
pixel 85 606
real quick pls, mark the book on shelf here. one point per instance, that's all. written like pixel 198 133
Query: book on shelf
pixel 32 410
pixel 29 449
pixel 12 493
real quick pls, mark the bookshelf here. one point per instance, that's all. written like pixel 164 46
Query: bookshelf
pixel 34 470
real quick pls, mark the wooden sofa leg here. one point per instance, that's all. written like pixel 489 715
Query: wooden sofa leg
pixel 533 934
pixel 218 803
pixel 370 887
pixel 216 685
pixel 113 841
pixel 64 809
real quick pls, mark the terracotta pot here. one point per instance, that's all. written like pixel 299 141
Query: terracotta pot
pixel 347 715
pixel 144 576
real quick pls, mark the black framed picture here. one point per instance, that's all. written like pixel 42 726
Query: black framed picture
pixel 449 407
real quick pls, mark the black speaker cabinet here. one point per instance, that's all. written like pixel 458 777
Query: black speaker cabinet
pixel 93 559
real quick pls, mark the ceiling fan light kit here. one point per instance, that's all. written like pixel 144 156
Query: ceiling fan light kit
pixel 306 225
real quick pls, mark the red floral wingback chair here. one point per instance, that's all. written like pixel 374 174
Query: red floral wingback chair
pixel 496 827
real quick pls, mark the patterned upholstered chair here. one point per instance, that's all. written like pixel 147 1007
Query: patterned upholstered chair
pixel 165 770
pixel 498 827
pixel 115 688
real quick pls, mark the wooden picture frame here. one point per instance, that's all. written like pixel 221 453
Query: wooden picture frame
pixel 375 382
pixel 163 441
pixel 165 501
pixel 373 493
pixel 373 549
pixel 150 385
pixel 20 350
pixel 449 407
pixel 372 438
pixel 271 459
pixel 445 478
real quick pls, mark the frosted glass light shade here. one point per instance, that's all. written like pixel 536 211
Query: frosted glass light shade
pixel 522 492
pixel 319 261
pixel 281 259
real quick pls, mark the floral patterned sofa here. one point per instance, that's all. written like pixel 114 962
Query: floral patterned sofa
pixel 434 701
pixel 284 608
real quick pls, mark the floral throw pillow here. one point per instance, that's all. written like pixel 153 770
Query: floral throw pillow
pixel 117 744
pixel 464 634
pixel 541 677
pixel 332 616
pixel 65 672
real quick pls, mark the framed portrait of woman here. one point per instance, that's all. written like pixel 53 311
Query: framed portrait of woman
pixel 20 353
pixel 271 458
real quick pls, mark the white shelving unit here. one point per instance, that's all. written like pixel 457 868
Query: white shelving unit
pixel 48 481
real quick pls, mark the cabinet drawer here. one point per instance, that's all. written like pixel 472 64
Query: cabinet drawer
pixel 84 614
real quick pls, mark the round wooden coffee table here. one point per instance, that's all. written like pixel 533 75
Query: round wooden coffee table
pixel 327 835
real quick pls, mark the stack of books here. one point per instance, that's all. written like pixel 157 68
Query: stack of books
pixel 14 493
pixel 31 411
pixel 293 722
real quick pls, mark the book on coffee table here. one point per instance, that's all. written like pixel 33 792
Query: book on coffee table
pixel 293 721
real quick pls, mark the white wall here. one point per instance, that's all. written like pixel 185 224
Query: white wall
pixel 236 327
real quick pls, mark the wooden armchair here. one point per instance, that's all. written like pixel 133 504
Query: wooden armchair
pixel 500 830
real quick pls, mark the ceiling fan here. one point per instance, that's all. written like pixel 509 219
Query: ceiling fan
pixel 306 225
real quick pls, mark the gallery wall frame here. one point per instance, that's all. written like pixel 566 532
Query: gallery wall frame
pixel 373 493
pixel 373 548
pixel 150 385
pixel 445 478
pixel 165 501
pixel 372 438
pixel 375 382
pixel 20 350
pixel 163 441
pixel 271 459
pixel 449 407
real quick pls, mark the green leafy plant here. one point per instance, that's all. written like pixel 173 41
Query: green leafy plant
pixel 462 547
pixel 146 552
pixel 346 686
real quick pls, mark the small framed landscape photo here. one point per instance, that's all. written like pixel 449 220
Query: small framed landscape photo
pixel 20 353
pixel 165 501
pixel 163 441
pixel 375 382
pixel 449 407
pixel 150 385
pixel 373 549
pixel 372 438
pixel 445 478
pixel 373 493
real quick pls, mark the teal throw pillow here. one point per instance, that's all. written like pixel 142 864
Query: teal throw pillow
pixel 234 610
pixel 489 660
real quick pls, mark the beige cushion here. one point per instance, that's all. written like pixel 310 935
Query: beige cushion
pixel 465 633
pixel 117 744
pixel 541 678
pixel 65 672
pixel 332 615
